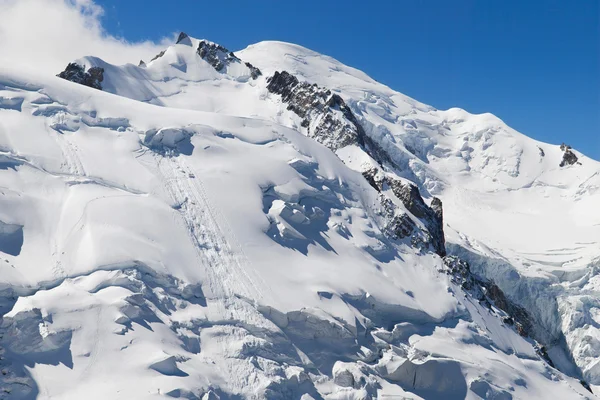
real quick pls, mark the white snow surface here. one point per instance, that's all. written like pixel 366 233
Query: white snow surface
pixel 177 235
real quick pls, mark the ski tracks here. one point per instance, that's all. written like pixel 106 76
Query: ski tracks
pixel 74 167
pixel 226 265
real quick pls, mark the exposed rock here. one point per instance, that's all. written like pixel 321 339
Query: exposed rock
pixel 372 177
pixel 586 385
pixel 461 274
pixel 569 158
pixel 219 57
pixel 328 119
pixel 542 352
pixel 254 72
pixel 331 122
pixel 93 77
pixel 182 36
pixel 142 64
pixel 542 153
pixel 400 225
pixel 159 55
pixel 522 318
pixel 488 292
pixel 432 216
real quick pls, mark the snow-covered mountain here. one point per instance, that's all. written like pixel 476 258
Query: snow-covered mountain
pixel 274 224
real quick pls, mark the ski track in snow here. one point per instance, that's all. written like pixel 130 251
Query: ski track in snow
pixel 225 269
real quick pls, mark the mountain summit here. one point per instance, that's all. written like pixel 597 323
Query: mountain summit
pixel 271 223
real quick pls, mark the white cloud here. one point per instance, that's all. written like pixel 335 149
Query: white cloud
pixel 48 34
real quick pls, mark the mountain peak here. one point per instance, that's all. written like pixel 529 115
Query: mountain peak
pixel 183 38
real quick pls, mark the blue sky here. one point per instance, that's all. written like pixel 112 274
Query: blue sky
pixel 534 63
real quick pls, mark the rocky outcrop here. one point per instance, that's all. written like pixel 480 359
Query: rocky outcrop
pixel 93 77
pixel 325 114
pixel 520 316
pixel 569 158
pixel 489 293
pixel 182 37
pixel 400 225
pixel 431 216
pixel 219 57
pixel 159 55
pixel 330 121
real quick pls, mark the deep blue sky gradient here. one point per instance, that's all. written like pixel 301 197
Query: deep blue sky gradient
pixel 533 63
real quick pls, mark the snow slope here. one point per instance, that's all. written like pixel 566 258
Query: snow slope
pixel 520 219
pixel 178 235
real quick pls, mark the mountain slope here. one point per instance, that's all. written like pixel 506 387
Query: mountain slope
pixel 187 234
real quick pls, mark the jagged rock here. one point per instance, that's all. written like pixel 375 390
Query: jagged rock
pixel 182 36
pixel 159 55
pixel 569 158
pixel 401 225
pixel 521 317
pixel 142 64
pixel 488 292
pixel 586 385
pixel 543 353
pixel 436 206
pixel 328 119
pixel 77 73
pixel 331 122
pixel 398 226
pixel 432 216
pixel 462 275
pixel 219 57
pixel 254 72
pixel 542 153
pixel 371 177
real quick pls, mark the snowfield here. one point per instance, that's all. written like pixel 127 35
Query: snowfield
pixel 182 233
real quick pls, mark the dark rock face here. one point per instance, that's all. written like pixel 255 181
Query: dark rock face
pixel 335 127
pixel 569 158
pixel 401 226
pixel 488 292
pixel 398 226
pixel 461 274
pixel 182 36
pixel 254 72
pixel 331 122
pixel 432 216
pixel 77 73
pixel 219 57
pixel 521 317
pixel 159 55
pixel 586 385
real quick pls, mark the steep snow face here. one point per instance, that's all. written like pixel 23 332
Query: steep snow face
pixel 181 236
pixel 512 206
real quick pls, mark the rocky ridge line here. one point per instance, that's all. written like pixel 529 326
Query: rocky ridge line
pixel 332 123
pixel 76 73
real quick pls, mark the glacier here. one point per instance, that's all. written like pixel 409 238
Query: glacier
pixel 180 229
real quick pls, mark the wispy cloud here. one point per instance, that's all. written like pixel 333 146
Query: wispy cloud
pixel 47 34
